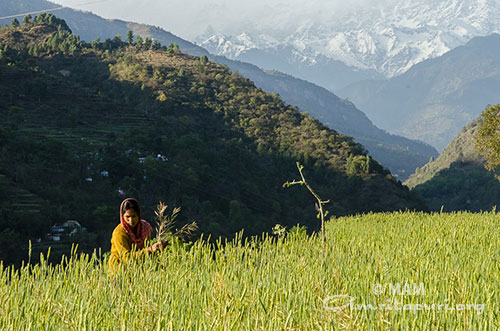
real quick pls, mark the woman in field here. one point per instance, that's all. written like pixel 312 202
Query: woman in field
pixel 129 237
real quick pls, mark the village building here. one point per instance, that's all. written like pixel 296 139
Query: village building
pixel 68 229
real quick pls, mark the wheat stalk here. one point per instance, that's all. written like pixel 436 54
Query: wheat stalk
pixel 165 224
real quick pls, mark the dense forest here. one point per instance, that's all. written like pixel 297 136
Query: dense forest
pixel 84 125
pixel 464 186
pixel 457 180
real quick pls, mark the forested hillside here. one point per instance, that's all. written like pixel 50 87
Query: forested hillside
pixel 91 27
pixel 400 155
pixel 84 125
pixel 457 179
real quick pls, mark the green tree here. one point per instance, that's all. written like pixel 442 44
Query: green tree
pixel 95 44
pixel 28 20
pixel 487 138
pixel 14 23
pixel 170 49
pixel 46 18
pixel 203 59
pixel 139 41
pixel 130 37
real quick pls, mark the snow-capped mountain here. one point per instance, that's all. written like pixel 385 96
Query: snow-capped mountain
pixel 388 39
pixel 234 46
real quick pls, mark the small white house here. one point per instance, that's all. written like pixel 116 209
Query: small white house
pixel 69 228
pixel 54 237
pixel 56 228
pixel 73 224
pixel 160 157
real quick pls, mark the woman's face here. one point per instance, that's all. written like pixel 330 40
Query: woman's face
pixel 131 218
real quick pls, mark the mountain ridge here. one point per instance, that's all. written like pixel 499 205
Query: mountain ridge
pixel 433 100
pixel 389 38
pixel 460 149
pixel 398 154
pixel 457 180
pixel 89 26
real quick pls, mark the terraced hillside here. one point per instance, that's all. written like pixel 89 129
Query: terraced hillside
pixel 18 199
pixel 88 124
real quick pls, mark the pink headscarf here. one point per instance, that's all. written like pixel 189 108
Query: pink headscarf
pixel 143 227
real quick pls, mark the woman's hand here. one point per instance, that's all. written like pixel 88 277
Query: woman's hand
pixel 160 245
pixel 156 247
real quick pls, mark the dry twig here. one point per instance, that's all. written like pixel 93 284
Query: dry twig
pixel 165 224
pixel 319 205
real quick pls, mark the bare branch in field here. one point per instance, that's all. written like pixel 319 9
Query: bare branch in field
pixel 318 205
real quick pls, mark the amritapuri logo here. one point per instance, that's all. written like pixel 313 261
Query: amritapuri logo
pixel 397 291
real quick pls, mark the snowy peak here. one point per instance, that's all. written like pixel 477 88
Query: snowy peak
pixel 387 38
pixel 234 46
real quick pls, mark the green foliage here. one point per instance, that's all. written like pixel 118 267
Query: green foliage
pixel 274 284
pixel 148 43
pixel 28 20
pixel 171 49
pixel 130 37
pixel 464 186
pixel 50 19
pixel 462 149
pixel 279 230
pixel 298 230
pixel 203 59
pixel 154 124
pixel 488 137
pixel 457 180
pixel 14 23
pixel 139 42
pixel 360 165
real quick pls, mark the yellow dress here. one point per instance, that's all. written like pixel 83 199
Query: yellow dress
pixel 122 247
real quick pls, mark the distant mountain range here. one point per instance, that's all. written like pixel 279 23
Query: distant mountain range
pixel 320 69
pixel 457 179
pixel 434 99
pixel 400 155
pixel 386 38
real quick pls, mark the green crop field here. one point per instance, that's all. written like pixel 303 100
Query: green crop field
pixel 396 271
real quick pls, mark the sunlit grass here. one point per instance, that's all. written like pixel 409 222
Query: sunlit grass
pixel 276 284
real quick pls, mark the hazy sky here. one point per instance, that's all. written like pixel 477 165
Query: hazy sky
pixel 190 18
